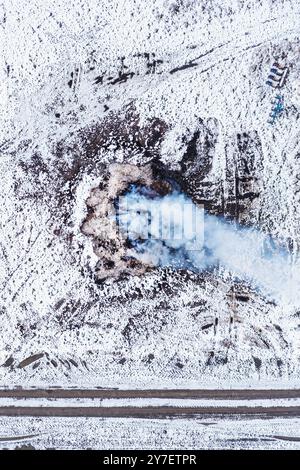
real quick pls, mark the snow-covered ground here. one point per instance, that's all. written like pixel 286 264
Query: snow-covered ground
pixel 144 402
pixel 70 73
pixel 95 433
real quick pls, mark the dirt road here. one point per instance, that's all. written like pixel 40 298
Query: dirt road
pixel 152 411
pixel 49 403
pixel 148 393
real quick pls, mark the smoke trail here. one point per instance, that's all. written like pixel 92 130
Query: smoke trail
pixel 172 231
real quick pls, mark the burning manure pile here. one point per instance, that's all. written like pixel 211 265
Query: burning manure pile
pixel 110 243
pixel 139 221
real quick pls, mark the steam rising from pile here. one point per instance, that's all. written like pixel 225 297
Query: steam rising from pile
pixel 172 231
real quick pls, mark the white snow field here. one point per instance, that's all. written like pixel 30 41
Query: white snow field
pixel 112 433
pixel 87 83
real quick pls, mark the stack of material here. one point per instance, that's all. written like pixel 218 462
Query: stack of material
pixel 278 75
pixel 277 109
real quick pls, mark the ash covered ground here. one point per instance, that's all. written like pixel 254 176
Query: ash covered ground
pixel 177 87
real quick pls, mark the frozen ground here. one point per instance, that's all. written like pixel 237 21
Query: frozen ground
pixel 95 433
pixel 86 83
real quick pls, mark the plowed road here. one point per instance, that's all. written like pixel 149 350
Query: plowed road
pixel 261 394
pixel 152 411
pixel 214 405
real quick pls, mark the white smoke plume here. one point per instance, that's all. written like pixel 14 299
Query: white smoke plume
pixel 173 231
